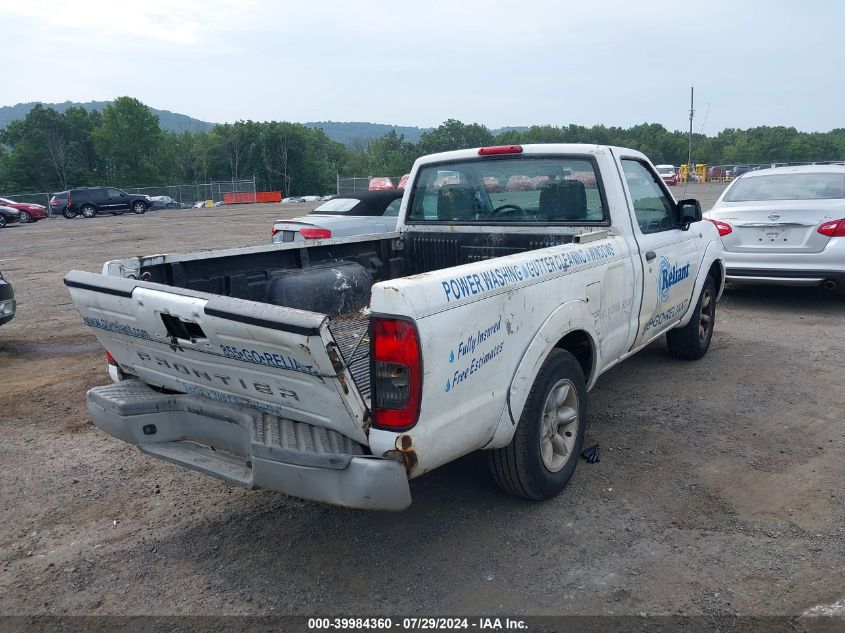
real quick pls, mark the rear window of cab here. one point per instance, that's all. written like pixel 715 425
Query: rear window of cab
pixel 523 190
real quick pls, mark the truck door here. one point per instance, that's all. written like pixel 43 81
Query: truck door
pixel 669 255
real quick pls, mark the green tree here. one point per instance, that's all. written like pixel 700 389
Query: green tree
pixel 452 134
pixel 129 143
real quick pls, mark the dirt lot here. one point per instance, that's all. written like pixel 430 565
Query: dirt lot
pixel 720 488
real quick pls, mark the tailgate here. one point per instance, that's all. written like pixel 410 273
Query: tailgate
pixel 278 360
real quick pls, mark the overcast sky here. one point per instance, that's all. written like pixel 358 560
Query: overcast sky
pixel 418 63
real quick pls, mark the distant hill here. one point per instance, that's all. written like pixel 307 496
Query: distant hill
pixel 347 133
pixel 350 132
pixel 170 121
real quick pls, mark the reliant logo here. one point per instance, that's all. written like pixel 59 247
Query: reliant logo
pixel 668 276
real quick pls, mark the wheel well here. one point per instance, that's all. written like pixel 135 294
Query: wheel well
pixel 716 269
pixel 580 345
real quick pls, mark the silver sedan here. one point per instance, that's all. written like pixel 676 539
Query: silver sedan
pixel 784 226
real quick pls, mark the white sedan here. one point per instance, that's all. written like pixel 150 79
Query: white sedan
pixel 784 226
pixel 360 213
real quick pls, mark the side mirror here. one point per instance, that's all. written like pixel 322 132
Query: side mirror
pixel 689 211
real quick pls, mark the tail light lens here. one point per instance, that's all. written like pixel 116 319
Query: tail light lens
pixel 69 202
pixel 834 228
pixel 315 234
pixel 111 359
pixel 397 373
pixel 723 227
pixel 273 231
pixel 500 149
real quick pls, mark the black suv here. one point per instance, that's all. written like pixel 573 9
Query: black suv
pixel 90 201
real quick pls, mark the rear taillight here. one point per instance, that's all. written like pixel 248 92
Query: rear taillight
pixel 834 228
pixel 315 234
pixel 397 373
pixel 273 231
pixel 723 227
pixel 111 359
pixel 69 202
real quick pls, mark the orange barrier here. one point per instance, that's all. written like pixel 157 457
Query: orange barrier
pixel 268 196
pixel 238 198
pixel 248 196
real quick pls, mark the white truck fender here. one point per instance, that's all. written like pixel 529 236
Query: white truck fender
pixel 567 318
pixel 713 253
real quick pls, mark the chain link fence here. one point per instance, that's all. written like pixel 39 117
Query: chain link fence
pixel 351 184
pixel 185 195
pixel 198 192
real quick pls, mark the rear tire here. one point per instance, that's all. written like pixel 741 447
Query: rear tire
pixel 2 221
pixel 88 211
pixel 139 207
pixel 25 217
pixel 69 214
pixel 692 341
pixel 544 451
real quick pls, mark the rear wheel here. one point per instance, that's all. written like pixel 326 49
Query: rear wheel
pixel 692 341
pixel 69 214
pixel 25 217
pixel 139 207
pixel 2 221
pixel 544 451
pixel 88 211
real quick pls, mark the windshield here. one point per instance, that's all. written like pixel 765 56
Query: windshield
pixel 526 189
pixel 337 205
pixel 665 170
pixel 807 186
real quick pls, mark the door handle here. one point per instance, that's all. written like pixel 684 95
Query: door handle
pixel 650 255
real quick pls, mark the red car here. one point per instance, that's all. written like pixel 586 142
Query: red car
pixel 668 174
pixel 382 183
pixel 29 212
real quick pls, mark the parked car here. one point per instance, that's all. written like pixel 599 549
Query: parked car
pixel 58 203
pixel 381 183
pixel 164 202
pixel 91 201
pixel 360 213
pixel 310 198
pixel 717 171
pixel 8 215
pixel 738 170
pixel 667 173
pixel 7 301
pixel 784 226
pixel 29 212
pixel 292 199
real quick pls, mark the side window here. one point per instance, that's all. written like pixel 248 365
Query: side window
pixel 392 209
pixel 113 193
pixel 653 208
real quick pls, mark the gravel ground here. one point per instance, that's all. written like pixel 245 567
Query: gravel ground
pixel 720 488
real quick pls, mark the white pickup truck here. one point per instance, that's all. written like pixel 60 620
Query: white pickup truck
pixel 340 369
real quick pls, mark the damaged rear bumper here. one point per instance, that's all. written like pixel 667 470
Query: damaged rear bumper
pixel 249 448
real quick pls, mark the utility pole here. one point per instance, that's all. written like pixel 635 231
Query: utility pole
pixel 691 112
